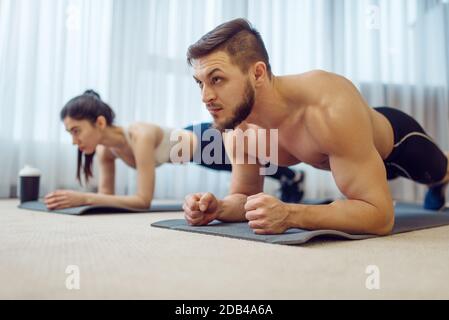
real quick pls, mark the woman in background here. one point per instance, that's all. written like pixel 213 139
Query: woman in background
pixel 142 146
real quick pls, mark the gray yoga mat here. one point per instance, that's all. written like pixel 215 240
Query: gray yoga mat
pixel 155 207
pixel 408 217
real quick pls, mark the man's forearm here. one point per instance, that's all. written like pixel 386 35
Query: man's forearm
pixel 232 208
pixel 351 216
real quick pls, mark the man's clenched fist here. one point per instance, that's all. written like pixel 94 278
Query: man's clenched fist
pixel 267 214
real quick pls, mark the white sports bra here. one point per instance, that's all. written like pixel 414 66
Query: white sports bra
pixel 162 152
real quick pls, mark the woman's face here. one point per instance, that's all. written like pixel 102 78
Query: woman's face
pixel 84 134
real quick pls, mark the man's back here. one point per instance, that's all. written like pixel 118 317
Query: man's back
pixel 314 100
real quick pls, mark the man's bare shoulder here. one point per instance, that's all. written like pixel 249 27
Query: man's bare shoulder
pixel 335 121
pixel 315 80
pixel 313 87
pixel 307 75
pixel 335 96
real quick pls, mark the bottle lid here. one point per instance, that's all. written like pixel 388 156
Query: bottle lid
pixel 29 171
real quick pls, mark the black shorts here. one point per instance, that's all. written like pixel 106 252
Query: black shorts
pixel 415 155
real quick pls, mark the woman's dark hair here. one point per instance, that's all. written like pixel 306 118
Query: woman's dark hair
pixel 87 106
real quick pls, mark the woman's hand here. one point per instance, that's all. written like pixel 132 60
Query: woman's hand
pixel 200 209
pixel 63 199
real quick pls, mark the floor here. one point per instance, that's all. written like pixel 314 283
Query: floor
pixel 122 257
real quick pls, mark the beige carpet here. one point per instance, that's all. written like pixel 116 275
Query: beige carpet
pixel 122 257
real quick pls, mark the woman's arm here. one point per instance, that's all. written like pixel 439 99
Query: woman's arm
pixel 106 184
pixel 143 146
pixel 144 143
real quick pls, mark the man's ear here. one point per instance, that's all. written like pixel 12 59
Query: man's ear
pixel 101 122
pixel 260 73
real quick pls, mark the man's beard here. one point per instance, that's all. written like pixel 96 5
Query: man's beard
pixel 242 112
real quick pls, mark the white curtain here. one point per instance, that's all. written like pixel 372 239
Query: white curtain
pixel 133 53
pixel 150 81
pixel 50 50
pixel 395 51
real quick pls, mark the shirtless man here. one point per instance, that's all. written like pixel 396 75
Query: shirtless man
pixel 322 120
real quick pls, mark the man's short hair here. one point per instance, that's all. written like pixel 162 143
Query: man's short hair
pixel 239 39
